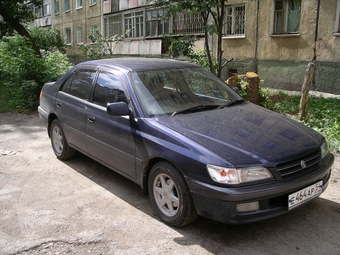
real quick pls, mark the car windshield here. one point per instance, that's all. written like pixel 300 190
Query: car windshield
pixel 180 91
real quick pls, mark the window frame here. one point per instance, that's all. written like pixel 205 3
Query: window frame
pixel 80 35
pixel 67 6
pixel 79 4
pixel 68 36
pixel 92 2
pixel 284 19
pixel 113 25
pixel 130 23
pixel 46 8
pixel 162 24
pixel 337 19
pixel 230 31
pixel 56 7
pixel 38 10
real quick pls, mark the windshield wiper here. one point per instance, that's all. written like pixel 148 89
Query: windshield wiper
pixel 237 101
pixel 197 108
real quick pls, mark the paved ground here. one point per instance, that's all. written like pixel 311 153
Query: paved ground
pixel 80 207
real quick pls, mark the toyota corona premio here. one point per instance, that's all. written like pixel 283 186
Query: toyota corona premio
pixel 189 140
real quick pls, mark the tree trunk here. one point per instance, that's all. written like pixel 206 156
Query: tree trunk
pixel 254 84
pixel 305 89
pixel 19 28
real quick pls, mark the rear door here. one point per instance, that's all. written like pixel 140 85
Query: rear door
pixel 109 138
pixel 71 103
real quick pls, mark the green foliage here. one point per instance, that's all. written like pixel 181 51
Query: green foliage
pixel 48 39
pixel 182 46
pixel 23 73
pixel 17 10
pixel 100 46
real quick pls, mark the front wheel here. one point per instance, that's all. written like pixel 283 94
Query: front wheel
pixel 170 196
pixel 59 143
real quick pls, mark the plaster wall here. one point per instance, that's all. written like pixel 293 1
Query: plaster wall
pixel 281 60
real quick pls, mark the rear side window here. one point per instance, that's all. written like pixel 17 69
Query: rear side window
pixel 108 89
pixel 79 84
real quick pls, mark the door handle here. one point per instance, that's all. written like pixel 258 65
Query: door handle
pixel 91 119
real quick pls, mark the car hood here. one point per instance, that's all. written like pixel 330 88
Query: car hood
pixel 246 134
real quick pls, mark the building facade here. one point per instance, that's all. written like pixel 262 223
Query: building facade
pixel 43 13
pixel 278 38
pixel 76 19
pixel 145 26
pixel 275 38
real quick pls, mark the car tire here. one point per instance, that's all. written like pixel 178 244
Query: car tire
pixel 59 144
pixel 170 196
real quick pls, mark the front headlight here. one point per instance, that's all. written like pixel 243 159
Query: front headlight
pixel 324 149
pixel 238 175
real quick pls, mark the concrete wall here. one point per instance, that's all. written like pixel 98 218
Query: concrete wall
pixel 281 60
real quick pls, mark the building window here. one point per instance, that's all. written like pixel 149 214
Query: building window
pixel 79 35
pixel 134 24
pixel 187 23
pixel 92 32
pixel 68 35
pixel 47 7
pixel 113 25
pixel 235 17
pixel 79 4
pixel 92 2
pixel 337 21
pixel 286 16
pixel 156 23
pixel 66 5
pixel 56 6
pixel 38 11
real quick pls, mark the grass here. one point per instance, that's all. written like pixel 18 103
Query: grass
pixel 323 114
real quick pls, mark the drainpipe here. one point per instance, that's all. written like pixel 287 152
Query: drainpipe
pixel 257 34
pixel 316 29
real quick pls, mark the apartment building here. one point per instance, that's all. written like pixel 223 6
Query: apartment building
pixel 144 26
pixel 277 39
pixel 76 19
pixel 43 13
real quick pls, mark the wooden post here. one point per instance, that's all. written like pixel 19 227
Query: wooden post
pixel 254 84
pixel 305 89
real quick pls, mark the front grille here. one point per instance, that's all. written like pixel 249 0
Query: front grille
pixel 299 166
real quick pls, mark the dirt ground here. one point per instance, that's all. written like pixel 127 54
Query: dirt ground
pixel 80 207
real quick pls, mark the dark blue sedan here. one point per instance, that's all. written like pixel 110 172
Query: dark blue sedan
pixel 188 139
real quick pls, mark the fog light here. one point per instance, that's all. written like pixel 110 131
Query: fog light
pixel 248 207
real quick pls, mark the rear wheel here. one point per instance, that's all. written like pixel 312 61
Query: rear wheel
pixel 59 143
pixel 170 196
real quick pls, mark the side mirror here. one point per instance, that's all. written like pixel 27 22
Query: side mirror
pixel 118 109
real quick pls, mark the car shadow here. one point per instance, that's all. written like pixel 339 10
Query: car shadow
pixel 310 228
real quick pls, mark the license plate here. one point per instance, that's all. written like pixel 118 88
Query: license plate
pixel 302 196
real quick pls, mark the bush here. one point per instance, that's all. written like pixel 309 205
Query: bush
pixel 48 39
pixel 23 73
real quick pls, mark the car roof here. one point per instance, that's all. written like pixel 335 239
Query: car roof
pixel 140 64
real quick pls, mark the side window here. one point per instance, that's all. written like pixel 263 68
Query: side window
pixel 79 84
pixel 108 89
pixel 67 85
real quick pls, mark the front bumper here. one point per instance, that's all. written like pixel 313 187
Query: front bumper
pixel 219 203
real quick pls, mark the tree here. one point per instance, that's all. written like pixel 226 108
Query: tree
pixel 207 8
pixel 14 14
